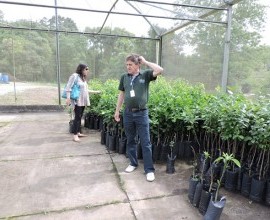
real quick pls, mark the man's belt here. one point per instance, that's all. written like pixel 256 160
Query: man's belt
pixel 136 109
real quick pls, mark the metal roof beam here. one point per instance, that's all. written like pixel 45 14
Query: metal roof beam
pixel 72 32
pixel 174 4
pixel 107 16
pixel 201 17
pixel 119 13
pixel 156 32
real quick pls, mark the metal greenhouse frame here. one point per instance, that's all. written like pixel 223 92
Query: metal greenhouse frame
pixel 226 6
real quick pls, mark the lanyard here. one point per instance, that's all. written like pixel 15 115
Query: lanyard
pixel 132 79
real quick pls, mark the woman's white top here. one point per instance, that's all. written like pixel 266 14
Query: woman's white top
pixel 83 100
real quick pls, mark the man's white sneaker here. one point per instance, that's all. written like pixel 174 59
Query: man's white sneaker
pixel 150 176
pixel 130 169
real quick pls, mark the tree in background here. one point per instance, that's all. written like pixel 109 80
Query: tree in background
pixel 207 42
pixel 32 62
pixel 107 54
pixel 194 52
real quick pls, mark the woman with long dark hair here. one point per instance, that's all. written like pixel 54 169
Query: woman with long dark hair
pixel 79 77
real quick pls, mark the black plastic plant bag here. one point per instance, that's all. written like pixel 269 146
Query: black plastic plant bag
pixel 215 209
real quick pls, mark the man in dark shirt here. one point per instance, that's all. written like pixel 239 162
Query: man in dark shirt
pixel 133 87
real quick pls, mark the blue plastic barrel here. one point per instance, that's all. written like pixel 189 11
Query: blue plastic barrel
pixel 5 78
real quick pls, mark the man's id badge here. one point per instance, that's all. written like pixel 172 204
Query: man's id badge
pixel 132 93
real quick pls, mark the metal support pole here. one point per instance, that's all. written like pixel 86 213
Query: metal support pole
pixel 158 51
pixel 57 54
pixel 14 67
pixel 224 81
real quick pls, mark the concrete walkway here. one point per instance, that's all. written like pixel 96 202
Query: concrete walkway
pixel 45 175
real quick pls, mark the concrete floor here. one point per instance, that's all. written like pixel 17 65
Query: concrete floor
pixel 45 175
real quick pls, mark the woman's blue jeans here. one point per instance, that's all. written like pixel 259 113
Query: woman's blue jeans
pixel 137 123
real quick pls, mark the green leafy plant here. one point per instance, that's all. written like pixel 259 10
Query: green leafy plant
pixel 107 100
pixel 236 125
pixel 226 159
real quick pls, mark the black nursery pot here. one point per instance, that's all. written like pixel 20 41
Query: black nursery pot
pixel 267 196
pixel 192 188
pixel 91 121
pixel 204 164
pixel 231 178
pixel 181 149
pixel 215 169
pixel 100 126
pixel 163 152
pixel 246 184
pixel 112 142
pixel 107 139
pixel 170 164
pixel 86 120
pixel 156 148
pixel 116 144
pixel 204 201
pixel 103 137
pixel 197 194
pixel 214 209
pixel 122 145
pixel 96 123
pixel 257 189
pixel 239 180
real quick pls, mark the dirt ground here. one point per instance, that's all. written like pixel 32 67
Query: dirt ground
pixel 28 94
